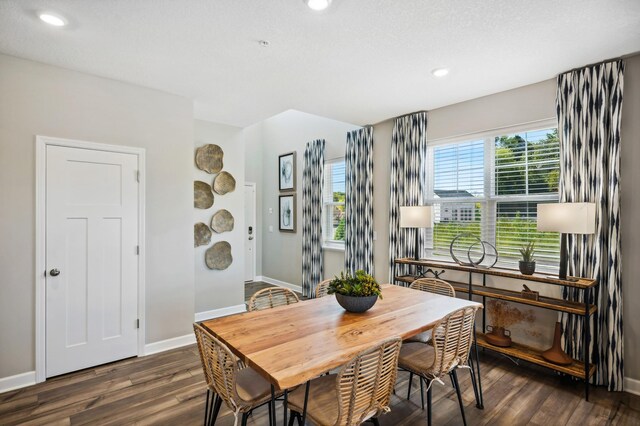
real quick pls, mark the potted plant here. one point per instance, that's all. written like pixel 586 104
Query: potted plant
pixel 528 264
pixel 355 293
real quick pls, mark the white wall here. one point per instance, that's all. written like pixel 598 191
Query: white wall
pixel 37 99
pixel 281 254
pixel 219 289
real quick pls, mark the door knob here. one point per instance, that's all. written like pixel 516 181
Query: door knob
pixel 54 272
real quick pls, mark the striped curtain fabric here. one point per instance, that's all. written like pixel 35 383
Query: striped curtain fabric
pixel 589 105
pixel 358 238
pixel 408 184
pixel 312 183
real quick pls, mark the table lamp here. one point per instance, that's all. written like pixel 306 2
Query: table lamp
pixel 566 218
pixel 415 217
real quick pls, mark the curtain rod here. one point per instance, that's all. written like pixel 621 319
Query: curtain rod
pixel 592 65
pixel 411 113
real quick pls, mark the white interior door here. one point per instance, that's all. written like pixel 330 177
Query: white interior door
pixel 250 232
pixel 91 258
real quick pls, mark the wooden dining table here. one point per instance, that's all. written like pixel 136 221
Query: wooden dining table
pixel 289 345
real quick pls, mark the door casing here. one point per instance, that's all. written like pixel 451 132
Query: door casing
pixel 40 261
pixel 255 226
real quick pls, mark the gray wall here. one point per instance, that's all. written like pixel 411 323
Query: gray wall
pixel 281 254
pixel 38 99
pixel 630 222
pixel 219 289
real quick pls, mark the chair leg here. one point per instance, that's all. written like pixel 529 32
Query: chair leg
pixel 421 391
pixel 429 403
pixel 207 406
pixel 409 388
pixel 454 376
pixel 473 381
pixel 216 410
pixel 244 418
pixel 294 415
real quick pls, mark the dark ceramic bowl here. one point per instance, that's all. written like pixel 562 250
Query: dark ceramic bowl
pixel 356 304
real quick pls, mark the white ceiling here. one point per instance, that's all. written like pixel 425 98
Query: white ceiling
pixel 362 61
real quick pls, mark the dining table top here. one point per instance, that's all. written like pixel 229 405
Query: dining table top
pixel 289 345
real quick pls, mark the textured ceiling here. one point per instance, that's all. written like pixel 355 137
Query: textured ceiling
pixel 362 61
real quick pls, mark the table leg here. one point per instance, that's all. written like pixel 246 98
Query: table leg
pixel 587 352
pixel 272 420
pixel 285 407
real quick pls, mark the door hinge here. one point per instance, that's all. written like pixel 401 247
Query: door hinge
pixel 138 175
pixel 137 250
pixel 138 323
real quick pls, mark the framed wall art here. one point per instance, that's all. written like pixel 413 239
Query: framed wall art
pixel 287 213
pixel 287 172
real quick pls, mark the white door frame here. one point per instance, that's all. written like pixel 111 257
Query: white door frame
pixel 255 227
pixel 40 262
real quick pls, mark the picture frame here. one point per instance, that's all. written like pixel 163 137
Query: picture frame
pixel 287 213
pixel 287 172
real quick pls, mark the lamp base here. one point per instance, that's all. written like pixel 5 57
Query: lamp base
pixel 555 354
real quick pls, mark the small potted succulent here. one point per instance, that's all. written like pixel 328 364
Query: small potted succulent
pixel 528 265
pixel 355 293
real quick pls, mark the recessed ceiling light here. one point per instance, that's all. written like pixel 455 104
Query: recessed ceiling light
pixel 440 72
pixel 318 4
pixel 53 19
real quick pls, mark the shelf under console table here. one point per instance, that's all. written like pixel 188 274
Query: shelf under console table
pixel 583 369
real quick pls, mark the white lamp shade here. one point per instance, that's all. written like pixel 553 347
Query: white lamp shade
pixel 415 217
pixel 567 218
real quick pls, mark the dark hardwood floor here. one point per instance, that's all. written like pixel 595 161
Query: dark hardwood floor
pixel 169 389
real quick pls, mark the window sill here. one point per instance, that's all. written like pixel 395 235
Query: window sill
pixel 333 247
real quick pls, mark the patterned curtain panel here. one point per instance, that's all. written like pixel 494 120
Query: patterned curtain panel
pixel 312 183
pixel 589 104
pixel 408 184
pixel 358 237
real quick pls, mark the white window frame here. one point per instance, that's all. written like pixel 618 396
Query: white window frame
pixel 489 200
pixel 327 243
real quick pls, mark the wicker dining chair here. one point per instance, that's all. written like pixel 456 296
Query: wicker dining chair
pixel 271 297
pixel 430 285
pixel 360 391
pixel 228 380
pixel 449 349
pixel 322 288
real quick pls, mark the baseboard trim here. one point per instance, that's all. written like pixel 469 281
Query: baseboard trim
pixel 222 312
pixel 165 345
pixel 632 385
pixel 279 283
pixel 18 381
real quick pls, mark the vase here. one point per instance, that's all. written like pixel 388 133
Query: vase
pixel 498 336
pixel 527 268
pixel 356 304
pixel 555 354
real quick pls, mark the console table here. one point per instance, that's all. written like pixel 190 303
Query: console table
pixel 583 369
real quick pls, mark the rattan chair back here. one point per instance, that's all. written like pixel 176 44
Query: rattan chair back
pixel 220 366
pixel 271 297
pixel 434 285
pixel 364 385
pixel 322 288
pixel 451 338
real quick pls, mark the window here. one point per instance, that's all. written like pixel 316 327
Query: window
pixel 333 204
pixel 490 188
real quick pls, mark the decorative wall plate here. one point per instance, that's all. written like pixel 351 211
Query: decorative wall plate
pixel 202 195
pixel 224 183
pixel 209 158
pixel 222 221
pixel 219 256
pixel 201 234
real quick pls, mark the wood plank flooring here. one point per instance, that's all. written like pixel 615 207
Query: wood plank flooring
pixel 169 389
